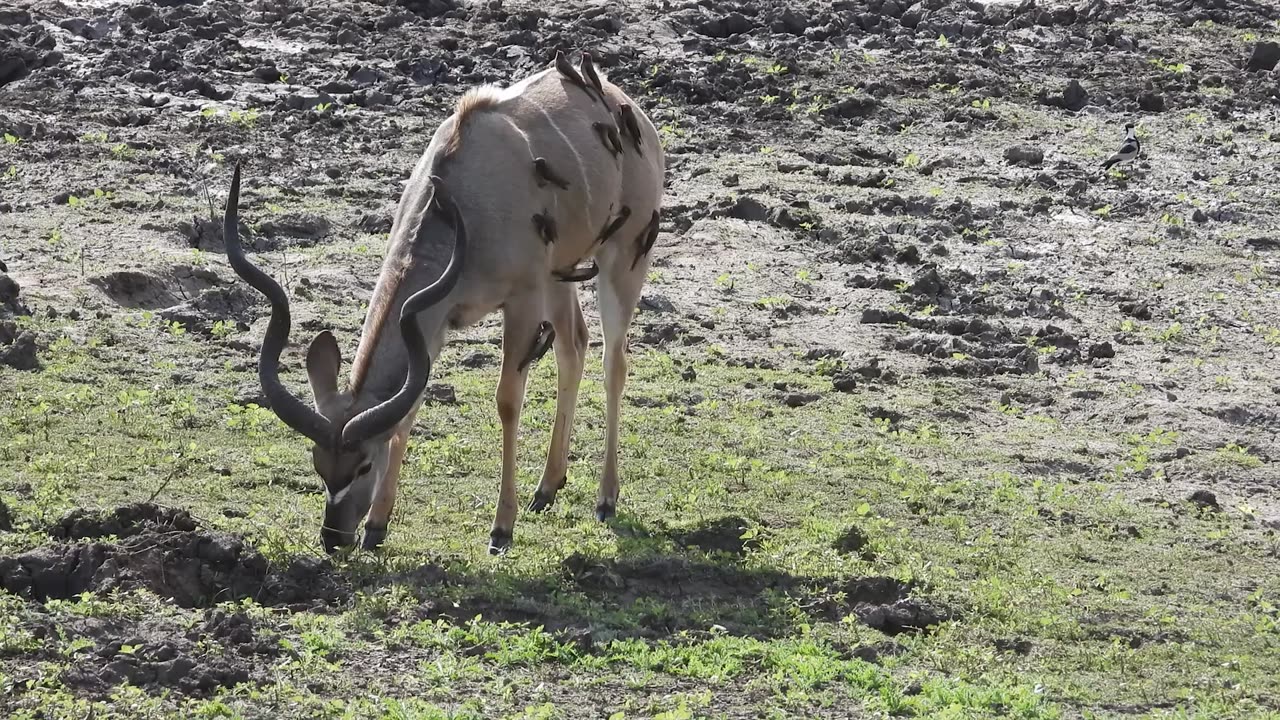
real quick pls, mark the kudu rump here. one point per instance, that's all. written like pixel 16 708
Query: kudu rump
pixel 522 192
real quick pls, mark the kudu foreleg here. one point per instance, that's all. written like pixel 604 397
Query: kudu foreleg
pixel 571 354
pixel 384 497
pixel 525 337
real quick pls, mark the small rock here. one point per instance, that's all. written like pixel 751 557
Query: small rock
pixel 9 290
pixel 793 22
pixel 1151 102
pixel 1102 350
pixel 267 73
pixel 1074 96
pixel 875 316
pixel 144 77
pixel 1205 499
pixel 1138 310
pixel 12 67
pixel 308 226
pixel 1265 56
pixel 307 100
pixel 477 359
pixel 852 107
pixel 14 16
pixel 1024 155
pixel 1199 216
pixel 731 24
pixel 799 399
pixel 748 208
pixel 657 304
pixel 6 518
pixel 374 223
pixel 689 374
pixel 22 354
pixel 441 394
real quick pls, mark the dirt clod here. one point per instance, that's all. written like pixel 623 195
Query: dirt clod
pixel 1102 350
pixel 122 522
pixel 855 541
pixel 164 551
pixel 1024 155
pixel 1205 499
pixel 1265 56
pixel 727 534
pixel 18 350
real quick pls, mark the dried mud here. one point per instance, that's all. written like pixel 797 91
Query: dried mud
pixel 951 231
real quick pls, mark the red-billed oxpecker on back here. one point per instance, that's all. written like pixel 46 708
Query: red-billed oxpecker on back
pixel 522 192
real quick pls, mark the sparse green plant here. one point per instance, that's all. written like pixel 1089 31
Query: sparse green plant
pixel 246 118
pixel 1170 334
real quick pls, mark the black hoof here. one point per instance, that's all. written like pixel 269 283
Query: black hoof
pixel 374 537
pixel 605 511
pixel 541 501
pixel 499 542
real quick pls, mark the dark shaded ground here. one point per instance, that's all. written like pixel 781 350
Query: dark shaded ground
pixel 163 550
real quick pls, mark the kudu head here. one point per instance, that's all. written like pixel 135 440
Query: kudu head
pixel 351 450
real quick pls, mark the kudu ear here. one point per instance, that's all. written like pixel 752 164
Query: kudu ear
pixel 323 361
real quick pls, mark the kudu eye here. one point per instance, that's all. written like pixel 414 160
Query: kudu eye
pixel 365 468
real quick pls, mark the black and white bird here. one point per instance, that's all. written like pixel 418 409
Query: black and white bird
pixel 1129 150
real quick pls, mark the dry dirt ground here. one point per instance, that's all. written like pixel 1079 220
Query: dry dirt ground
pixel 929 415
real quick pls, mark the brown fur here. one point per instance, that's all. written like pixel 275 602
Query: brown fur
pixel 379 311
pixel 472 102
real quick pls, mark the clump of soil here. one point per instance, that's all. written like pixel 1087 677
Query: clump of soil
pixel 222 650
pixel 18 348
pixel 744 594
pixel 165 551
pixel 854 541
pixel 122 522
pixel 721 535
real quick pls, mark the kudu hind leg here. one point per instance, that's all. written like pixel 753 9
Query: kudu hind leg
pixel 622 277
pixel 522 336
pixel 571 354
